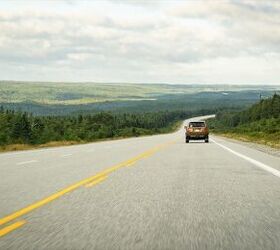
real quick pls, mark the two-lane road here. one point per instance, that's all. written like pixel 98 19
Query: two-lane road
pixel 153 192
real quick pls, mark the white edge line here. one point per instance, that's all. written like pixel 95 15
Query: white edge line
pixel 26 162
pixel 256 163
pixel 66 155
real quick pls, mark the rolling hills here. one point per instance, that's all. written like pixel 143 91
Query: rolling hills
pixel 74 98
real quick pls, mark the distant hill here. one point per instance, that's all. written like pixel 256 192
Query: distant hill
pixel 68 98
pixel 260 122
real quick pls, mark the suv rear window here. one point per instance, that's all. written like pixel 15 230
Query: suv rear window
pixel 196 124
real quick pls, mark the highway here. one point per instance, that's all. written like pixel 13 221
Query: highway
pixel 154 192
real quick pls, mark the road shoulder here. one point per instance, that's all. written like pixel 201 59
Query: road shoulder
pixel 260 147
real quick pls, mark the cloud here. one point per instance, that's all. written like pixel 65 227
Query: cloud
pixel 253 24
pixel 114 41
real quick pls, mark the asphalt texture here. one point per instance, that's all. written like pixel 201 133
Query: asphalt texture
pixel 159 193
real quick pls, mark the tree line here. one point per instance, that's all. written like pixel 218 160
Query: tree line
pixel 264 109
pixel 24 128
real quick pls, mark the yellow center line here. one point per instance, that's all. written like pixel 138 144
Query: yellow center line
pixel 12 227
pixel 66 190
pixel 95 182
pixel 131 163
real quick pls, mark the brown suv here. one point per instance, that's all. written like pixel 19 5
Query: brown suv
pixel 197 131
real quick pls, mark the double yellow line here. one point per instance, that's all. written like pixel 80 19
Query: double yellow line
pixel 88 182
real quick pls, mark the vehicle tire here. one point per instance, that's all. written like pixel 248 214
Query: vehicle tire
pixel 206 139
pixel 187 140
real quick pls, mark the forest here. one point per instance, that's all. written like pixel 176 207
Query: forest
pixel 23 128
pixel 36 114
pixel 260 122
pixel 62 99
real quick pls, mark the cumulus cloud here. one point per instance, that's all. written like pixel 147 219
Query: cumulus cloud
pixel 178 41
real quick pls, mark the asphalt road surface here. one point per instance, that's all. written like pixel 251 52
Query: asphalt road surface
pixel 153 192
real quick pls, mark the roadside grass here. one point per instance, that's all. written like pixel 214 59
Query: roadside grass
pixel 271 140
pixel 264 131
pixel 19 147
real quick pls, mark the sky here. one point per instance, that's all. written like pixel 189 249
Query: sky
pixel 183 42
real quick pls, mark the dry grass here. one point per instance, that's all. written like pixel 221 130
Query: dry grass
pixel 18 147
pixel 248 138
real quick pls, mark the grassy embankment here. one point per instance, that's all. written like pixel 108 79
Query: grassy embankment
pixel 260 123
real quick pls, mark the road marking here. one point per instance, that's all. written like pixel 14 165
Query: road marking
pixel 11 228
pixel 66 190
pixel 131 163
pixel 26 162
pixel 95 182
pixel 255 162
pixel 66 155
